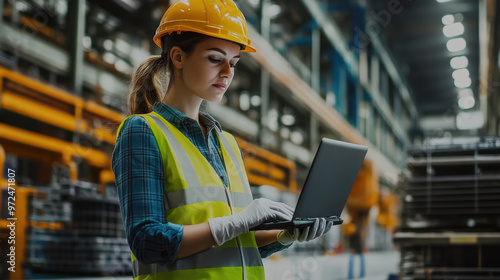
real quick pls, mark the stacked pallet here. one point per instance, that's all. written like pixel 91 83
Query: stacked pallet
pixel 62 252
pixel 89 238
pixel 451 212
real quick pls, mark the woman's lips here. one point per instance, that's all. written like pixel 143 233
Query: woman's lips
pixel 220 86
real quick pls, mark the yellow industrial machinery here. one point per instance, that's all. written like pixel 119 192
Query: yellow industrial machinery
pixel 387 210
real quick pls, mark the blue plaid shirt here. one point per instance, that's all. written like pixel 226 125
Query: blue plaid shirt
pixel 138 169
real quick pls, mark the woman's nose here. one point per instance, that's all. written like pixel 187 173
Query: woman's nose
pixel 226 70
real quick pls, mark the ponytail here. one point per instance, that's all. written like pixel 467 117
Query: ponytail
pixel 147 85
pixel 149 80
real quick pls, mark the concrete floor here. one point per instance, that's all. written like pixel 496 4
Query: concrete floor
pixel 311 266
pixel 314 266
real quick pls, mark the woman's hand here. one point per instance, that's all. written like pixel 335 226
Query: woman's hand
pixel 320 227
pixel 257 212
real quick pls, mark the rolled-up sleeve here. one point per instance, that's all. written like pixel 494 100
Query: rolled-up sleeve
pixel 139 176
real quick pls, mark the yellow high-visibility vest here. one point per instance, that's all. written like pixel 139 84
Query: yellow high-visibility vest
pixel 194 193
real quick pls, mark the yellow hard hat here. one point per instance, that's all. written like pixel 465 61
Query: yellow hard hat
pixel 216 18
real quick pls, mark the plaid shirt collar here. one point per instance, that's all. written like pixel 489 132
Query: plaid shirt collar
pixel 178 119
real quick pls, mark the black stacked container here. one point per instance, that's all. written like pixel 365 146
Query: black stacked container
pixel 451 212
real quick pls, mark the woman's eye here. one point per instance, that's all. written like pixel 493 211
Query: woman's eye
pixel 214 60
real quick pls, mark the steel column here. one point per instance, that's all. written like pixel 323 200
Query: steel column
pixel 2 3
pixel 315 83
pixel 265 76
pixel 75 34
pixel 339 79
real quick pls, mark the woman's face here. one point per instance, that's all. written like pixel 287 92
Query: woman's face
pixel 208 71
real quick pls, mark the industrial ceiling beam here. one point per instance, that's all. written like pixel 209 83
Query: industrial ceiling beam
pixel 333 34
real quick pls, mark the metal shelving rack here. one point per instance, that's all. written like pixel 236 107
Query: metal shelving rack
pixel 451 212
pixel 90 238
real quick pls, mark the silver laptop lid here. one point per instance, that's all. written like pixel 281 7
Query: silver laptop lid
pixel 330 179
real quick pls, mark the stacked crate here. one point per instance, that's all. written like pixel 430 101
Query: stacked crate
pixel 64 252
pixel 451 212
pixel 89 239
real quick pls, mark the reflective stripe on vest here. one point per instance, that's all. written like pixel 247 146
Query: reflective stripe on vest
pixel 210 258
pixel 194 193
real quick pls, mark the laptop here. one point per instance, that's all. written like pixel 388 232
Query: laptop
pixel 327 186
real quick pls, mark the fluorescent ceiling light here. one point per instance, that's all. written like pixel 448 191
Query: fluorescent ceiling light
pixel 122 46
pixel 87 42
pixel 470 120
pixel 443 1
pixel 254 3
pixel 463 83
pixel 108 44
pixel 466 102
pixel 459 62
pixel 455 45
pixel 297 137
pixel 255 100
pixel 285 132
pixel 465 92
pixel 288 119
pixel 244 101
pixel 109 57
pixel 454 29
pixel 448 19
pixel 273 11
pixel 122 66
pixel 272 119
pixel 460 74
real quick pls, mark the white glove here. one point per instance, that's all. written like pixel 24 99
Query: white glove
pixel 320 227
pixel 259 211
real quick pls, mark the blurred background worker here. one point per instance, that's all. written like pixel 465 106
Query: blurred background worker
pixel 356 246
pixel 184 195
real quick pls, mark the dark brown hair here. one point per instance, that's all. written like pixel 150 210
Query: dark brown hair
pixel 148 82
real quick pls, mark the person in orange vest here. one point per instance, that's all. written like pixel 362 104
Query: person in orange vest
pixel 184 194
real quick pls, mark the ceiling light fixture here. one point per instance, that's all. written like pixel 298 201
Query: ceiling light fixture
pixel 244 101
pixel 465 92
pixel 453 30
pixel 255 100
pixel 461 74
pixel 459 62
pixel 448 19
pixel 273 11
pixel 466 102
pixel 463 83
pixel 455 45
pixel 288 119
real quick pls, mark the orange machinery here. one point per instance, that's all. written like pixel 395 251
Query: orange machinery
pixel 365 194
pixel 266 168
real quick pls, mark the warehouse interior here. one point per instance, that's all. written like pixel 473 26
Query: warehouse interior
pixel 417 82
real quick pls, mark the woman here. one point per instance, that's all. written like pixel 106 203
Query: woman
pixel 184 196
